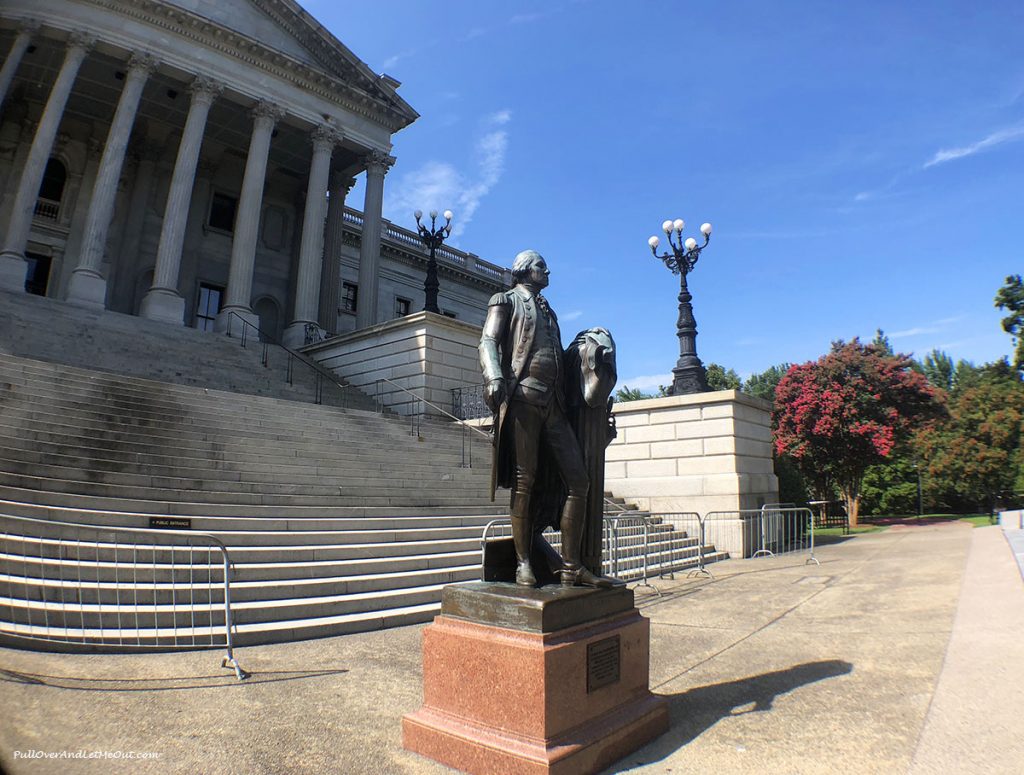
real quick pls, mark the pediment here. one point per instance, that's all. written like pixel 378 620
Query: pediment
pixel 283 26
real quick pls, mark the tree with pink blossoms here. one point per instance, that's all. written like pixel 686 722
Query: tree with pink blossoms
pixel 849 410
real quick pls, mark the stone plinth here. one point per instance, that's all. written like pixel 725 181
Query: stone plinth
pixel 703 452
pixel 535 681
pixel 426 353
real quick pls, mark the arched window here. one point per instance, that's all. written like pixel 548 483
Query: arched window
pixel 51 190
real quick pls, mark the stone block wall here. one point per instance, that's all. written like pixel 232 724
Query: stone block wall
pixel 425 353
pixel 705 452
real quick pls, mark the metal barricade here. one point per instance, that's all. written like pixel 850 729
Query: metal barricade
pixel 767 531
pixel 69 584
pixel 635 546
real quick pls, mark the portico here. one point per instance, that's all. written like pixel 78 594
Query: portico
pixel 186 152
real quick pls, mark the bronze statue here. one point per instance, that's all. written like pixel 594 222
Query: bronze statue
pixel 536 452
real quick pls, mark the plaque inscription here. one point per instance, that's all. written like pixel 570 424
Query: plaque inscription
pixel 603 662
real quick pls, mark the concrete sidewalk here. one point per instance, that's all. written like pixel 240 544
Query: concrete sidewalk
pixel 868 663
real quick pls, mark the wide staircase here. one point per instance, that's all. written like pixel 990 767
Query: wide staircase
pixel 335 519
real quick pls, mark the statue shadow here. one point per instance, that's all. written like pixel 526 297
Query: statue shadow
pixel 695 711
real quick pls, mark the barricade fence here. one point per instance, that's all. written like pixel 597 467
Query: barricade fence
pixel 71 585
pixel 639 546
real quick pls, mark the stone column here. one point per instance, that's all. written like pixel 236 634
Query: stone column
pixel 307 285
pixel 129 261
pixel 163 302
pixel 13 266
pixel 247 221
pixel 88 287
pixel 377 164
pixel 330 291
pixel 26 30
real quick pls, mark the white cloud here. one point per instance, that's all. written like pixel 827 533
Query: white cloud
pixel 914 332
pixel 440 185
pixel 568 317
pixel 648 383
pixel 996 138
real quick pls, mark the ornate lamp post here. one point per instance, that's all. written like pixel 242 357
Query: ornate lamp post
pixel 689 375
pixel 433 239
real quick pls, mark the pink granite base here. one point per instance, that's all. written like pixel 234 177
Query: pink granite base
pixel 498 700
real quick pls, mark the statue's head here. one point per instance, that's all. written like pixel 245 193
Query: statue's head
pixel 530 268
pixel 596 350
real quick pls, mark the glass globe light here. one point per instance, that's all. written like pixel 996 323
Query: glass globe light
pixel 433 213
pixel 667 227
pixel 705 229
pixel 691 243
pixel 418 214
pixel 448 215
pixel 678 224
pixel 653 242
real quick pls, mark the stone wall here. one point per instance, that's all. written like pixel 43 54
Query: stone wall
pixel 425 353
pixel 705 452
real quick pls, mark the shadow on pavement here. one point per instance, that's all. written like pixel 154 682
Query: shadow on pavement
pixel 163 684
pixel 697 710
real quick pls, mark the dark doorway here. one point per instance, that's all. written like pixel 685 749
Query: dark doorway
pixel 38 275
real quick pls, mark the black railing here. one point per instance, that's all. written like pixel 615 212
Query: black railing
pixel 321 376
pixel 468 403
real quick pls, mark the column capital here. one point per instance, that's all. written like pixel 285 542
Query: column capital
pixel 265 109
pixel 324 138
pixel 30 26
pixel 205 89
pixel 378 161
pixel 341 180
pixel 142 63
pixel 81 41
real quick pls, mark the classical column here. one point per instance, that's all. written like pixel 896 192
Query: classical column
pixel 247 221
pixel 12 256
pixel 307 285
pixel 163 302
pixel 88 287
pixel 26 30
pixel 125 274
pixel 330 291
pixel 377 164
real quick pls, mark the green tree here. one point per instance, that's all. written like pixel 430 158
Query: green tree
pixel 626 393
pixel 975 458
pixel 1011 298
pixel 881 341
pixel 720 378
pixel 939 370
pixel 848 411
pixel 763 385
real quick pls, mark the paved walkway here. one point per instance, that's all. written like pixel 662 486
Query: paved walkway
pixel 900 653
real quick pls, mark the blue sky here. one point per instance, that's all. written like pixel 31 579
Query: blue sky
pixel 862 163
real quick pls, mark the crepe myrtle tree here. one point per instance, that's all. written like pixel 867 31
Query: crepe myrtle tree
pixel 848 410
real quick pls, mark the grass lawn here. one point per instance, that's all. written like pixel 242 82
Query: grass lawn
pixel 838 531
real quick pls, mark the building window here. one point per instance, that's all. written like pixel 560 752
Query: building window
pixel 208 306
pixel 38 274
pixel 349 297
pixel 402 307
pixel 222 212
pixel 449 314
pixel 51 190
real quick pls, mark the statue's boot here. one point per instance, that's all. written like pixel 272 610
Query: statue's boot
pixel 522 537
pixel 574 573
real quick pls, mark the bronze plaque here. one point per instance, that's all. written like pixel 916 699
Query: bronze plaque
pixel 603 662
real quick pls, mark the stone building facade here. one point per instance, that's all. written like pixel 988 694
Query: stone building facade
pixel 189 161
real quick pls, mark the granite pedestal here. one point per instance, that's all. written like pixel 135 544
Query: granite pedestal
pixel 523 681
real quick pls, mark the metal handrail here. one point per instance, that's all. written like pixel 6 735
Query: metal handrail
pixel 229 659
pixel 320 372
pixel 463 423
